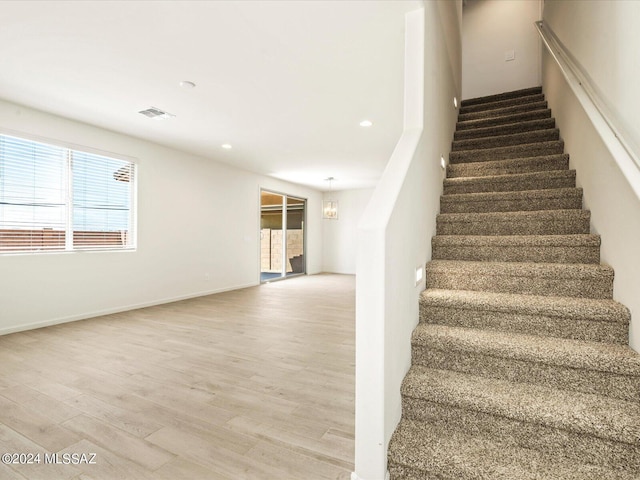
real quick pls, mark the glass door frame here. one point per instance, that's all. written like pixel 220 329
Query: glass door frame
pixel 283 273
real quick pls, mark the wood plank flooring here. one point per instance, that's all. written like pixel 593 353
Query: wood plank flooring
pixel 250 384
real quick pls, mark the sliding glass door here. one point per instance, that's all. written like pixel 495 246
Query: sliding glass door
pixel 295 236
pixel 271 208
pixel 282 236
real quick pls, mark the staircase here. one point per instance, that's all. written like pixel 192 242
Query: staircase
pixel 520 363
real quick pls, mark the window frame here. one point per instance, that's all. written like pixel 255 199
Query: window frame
pixel 69 204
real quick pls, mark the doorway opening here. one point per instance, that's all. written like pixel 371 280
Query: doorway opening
pixel 282 236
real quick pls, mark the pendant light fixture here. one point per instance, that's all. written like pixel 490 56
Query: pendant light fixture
pixel 330 206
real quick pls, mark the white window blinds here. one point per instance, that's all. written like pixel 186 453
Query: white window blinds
pixel 53 198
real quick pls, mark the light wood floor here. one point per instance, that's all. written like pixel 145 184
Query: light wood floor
pixel 255 383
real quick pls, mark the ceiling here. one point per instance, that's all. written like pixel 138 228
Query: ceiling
pixel 286 83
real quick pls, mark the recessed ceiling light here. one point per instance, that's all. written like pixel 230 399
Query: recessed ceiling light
pixel 226 146
pixel 187 84
pixel 366 123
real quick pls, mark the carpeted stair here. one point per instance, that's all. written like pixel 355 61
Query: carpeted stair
pixel 520 363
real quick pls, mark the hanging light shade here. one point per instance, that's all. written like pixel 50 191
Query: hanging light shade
pixel 330 207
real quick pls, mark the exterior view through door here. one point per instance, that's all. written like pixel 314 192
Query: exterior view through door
pixel 282 237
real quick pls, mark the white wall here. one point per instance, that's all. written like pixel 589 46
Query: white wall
pixel 602 38
pixel 489 29
pixel 339 237
pixel 396 228
pixel 195 217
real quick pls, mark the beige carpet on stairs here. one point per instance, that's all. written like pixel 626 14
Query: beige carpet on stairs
pixel 521 368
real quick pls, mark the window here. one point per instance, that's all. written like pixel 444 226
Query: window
pixel 57 199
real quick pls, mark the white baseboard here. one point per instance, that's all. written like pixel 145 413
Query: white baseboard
pixel 123 308
pixel 355 476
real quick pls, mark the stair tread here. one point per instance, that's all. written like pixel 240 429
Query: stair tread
pixel 584 413
pixel 544 180
pixel 522 269
pixel 514 127
pixel 573 248
pixel 521 222
pixel 506 110
pixel 510 177
pixel 511 216
pixel 576 240
pixel 603 310
pixel 501 153
pixel 471 124
pixel 518 138
pixel 582 355
pixel 511 194
pixel 504 95
pixel 501 103
pixel 450 454
pixel 509 166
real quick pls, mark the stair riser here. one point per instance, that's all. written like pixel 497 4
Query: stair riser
pixel 517 254
pixel 509 167
pixel 507 129
pixel 511 102
pixel 505 140
pixel 573 445
pixel 506 119
pixel 515 184
pixel 543 226
pixel 501 112
pixel 505 153
pixel 517 370
pixel 581 286
pixel 541 325
pixel 511 205
pixel 526 92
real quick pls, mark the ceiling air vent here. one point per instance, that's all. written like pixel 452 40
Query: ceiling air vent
pixel 153 112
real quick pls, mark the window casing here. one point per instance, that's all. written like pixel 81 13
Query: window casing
pixel 60 199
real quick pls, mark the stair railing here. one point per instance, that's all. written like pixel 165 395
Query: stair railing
pixel 622 150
